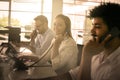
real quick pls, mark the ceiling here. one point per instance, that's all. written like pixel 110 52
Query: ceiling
pixel 32 1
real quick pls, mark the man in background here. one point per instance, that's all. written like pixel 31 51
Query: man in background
pixel 41 36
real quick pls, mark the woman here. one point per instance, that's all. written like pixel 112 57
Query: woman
pixel 64 53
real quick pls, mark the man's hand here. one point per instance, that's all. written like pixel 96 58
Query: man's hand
pixel 33 35
pixel 93 46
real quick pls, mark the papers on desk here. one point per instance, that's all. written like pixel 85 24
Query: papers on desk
pixel 21 50
pixel 24 51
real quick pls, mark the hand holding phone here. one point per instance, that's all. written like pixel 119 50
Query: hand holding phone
pixel 114 32
pixel 33 34
pixel 59 38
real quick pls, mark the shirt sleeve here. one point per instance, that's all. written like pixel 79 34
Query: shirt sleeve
pixel 74 73
pixel 41 47
pixel 45 44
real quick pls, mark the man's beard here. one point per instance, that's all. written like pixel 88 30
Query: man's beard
pixel 102 38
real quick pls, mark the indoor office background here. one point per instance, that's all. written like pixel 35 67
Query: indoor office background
pixel 20 13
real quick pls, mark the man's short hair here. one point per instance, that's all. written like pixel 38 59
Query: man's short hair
pixel 42 18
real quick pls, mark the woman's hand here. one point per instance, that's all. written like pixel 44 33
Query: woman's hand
pixel 56 43
pixel 58 39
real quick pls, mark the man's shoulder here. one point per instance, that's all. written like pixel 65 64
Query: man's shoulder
pixel 50 33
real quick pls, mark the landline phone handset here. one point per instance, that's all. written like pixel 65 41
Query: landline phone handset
pixel 114 33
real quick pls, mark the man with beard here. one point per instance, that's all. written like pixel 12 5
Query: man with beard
pixel 100 55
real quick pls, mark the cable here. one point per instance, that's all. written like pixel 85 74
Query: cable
pixel 42 56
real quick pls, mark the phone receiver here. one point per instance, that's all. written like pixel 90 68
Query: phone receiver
pixel 115 32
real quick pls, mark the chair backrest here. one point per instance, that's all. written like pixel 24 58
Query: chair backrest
pixel 79 52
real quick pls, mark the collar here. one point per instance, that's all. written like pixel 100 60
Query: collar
pixel 45 32
pixel 112 57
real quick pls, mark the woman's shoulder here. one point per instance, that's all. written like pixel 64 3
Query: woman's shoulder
pixel 69 41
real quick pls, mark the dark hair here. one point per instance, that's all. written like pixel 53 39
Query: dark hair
pixel 42 18
pixel 109 12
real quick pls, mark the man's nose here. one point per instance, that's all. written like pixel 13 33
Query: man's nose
pixel 92 30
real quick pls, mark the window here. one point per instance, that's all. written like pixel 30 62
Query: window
pixel 77 11
pixel 4 13
pixel 21 13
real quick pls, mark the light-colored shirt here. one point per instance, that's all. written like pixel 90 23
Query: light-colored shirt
pixel 74 72
pixel 67 58
pixel 43 41
pixel 109 69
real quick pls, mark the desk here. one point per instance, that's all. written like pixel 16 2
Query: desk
pixel 33 72
pixel 5 71
pixel 40 72
pixel 43 72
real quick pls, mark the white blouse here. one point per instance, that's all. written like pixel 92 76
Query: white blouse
pixel 67 58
